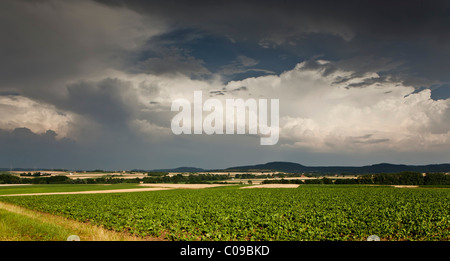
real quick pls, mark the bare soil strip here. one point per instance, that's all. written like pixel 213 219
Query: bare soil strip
pixel 9 185
pixel 273 186
pixel 182 186
pixel 153 187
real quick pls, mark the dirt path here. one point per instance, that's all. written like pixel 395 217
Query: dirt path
pixel 153 187
pixel 9 185
pixel 272 186
pixel 182 186
pixel 145 187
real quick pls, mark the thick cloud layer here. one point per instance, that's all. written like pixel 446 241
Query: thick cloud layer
pixel 91 83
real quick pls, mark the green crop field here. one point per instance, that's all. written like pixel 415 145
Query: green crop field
pixel 310 212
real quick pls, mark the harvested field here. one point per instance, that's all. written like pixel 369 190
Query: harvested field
pixel 182 186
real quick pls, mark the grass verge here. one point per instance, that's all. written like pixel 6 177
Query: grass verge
pixel 21 224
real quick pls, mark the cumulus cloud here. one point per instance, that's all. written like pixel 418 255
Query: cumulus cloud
pixel 323 110
pixel 322 107
pixel 18 111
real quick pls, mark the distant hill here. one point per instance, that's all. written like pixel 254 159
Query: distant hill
pixel 370 169
pixel 180 169
pixel 291 167
pixel 273 166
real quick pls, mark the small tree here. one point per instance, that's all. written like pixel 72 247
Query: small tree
pixel 326 180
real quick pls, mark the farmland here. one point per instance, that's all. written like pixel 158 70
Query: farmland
pixel 309 212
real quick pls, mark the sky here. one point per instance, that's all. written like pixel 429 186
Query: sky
pixel 90 84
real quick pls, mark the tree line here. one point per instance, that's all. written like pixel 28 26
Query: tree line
pixel 406 178
pixel 61 179
pixel 401 178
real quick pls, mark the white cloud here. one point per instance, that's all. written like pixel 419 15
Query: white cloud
pixel 18 112
pixel 318 111
pixel 323 112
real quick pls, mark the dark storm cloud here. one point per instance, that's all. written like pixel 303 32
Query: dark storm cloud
pixel 246 19
pixel 241 20
pixel 23 148
pixel 167 60
pixel 109 101
pixel 9 93
pixel 45 43
pixel 374 65
pixel 411 36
